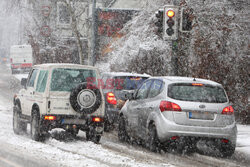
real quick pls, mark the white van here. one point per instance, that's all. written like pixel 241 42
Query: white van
pixel 21 58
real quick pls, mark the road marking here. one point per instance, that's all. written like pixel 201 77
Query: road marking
pixel 9 162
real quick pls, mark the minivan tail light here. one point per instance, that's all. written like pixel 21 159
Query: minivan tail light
pixel 111 98
pixel 197 84
pixel 228 110
pixel 169 106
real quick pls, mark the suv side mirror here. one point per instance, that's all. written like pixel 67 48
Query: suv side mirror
pixel 24 82
pixel 129 96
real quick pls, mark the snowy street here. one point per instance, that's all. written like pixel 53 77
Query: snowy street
pixel 124 83
pixel 60 151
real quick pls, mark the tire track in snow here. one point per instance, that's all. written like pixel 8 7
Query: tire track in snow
pixel 84 155
pixel 111 159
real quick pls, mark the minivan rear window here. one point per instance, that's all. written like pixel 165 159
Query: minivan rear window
pixel 197 93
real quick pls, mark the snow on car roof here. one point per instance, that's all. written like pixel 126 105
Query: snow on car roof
pixel 188 79
pixel 63 65
pixel 125 74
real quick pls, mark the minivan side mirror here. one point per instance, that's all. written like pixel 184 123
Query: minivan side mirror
pixel 24 82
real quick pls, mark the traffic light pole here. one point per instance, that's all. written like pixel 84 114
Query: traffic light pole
pixel 174 58
pixel 170 33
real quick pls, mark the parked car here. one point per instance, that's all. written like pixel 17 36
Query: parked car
pixel 57 96
pixel 170 111
pixel 117 85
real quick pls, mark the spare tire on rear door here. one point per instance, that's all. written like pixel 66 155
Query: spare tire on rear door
pixel 85 100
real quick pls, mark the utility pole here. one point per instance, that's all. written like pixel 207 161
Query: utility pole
pixel 94 35
pixel 174 46
pixel 174 58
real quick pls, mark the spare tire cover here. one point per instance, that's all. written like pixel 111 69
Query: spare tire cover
pixel 85 100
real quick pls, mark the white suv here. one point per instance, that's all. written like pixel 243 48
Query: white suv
pixel 58 96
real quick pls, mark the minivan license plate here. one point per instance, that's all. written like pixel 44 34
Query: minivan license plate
pixel 201 115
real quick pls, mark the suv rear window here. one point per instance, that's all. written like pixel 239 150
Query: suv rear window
pixel 129 82
pixel 64 79
pixel 197 93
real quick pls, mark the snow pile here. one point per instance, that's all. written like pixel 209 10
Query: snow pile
pixel 243 139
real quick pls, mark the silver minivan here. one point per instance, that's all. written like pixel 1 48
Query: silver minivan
pixel 176 110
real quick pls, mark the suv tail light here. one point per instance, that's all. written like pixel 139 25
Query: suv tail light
pixel 97 119
pixel 169 106
pixel 228 110
pixel 50 117
pixel 111 98
pixel 224 141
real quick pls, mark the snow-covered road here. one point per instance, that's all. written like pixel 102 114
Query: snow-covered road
pixel 59 150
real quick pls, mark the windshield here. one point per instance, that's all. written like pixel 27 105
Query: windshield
pixel 197 93
pixel 129 82
pixel 66 79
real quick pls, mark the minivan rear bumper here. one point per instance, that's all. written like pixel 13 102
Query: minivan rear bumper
pixel 167 129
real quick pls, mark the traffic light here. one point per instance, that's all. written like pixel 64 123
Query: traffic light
pixel 159 22
pixel 186 20
pixel 170 22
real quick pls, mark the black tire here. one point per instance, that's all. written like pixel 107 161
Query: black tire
pixel 88 135
pixel 227 149
pixel 90 99
pixel 122 133
pixel 19 127
pixel 35 127
pixel 96 139
pixel 73 132
pixel 92 136
pixel 107 126
pixel 153 142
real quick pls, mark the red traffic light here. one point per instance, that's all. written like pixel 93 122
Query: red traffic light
pixel 170 13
